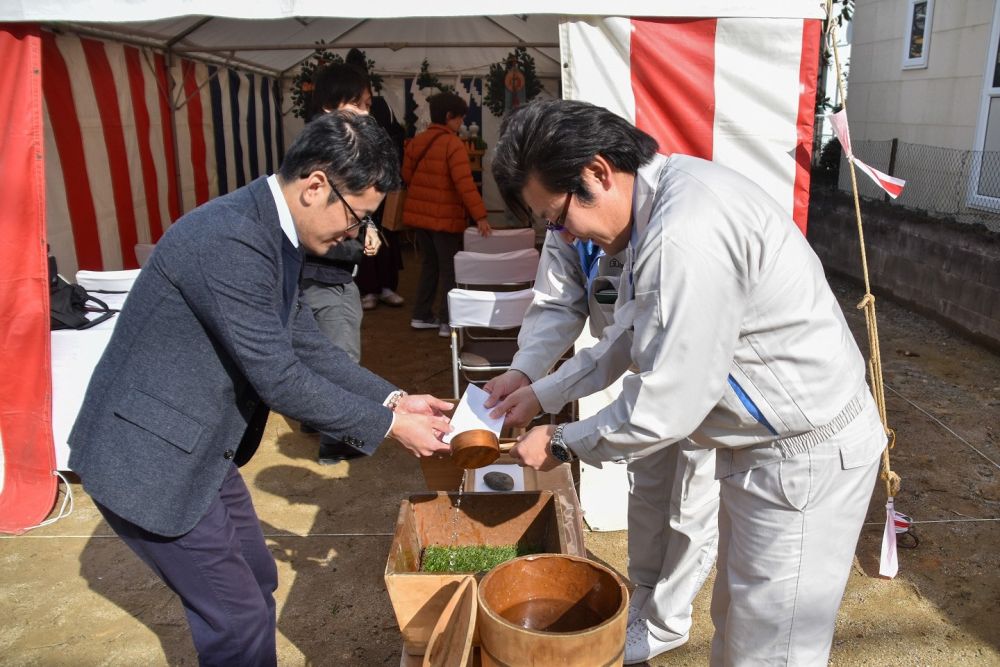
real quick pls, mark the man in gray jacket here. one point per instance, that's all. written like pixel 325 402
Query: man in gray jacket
pixel 738 345
pixel 673 497
pixel 210 337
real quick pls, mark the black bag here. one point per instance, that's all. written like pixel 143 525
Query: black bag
pixel 68 304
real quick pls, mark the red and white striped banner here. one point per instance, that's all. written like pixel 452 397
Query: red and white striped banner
pixel 738 91
pixel 117 175
pixel 893 186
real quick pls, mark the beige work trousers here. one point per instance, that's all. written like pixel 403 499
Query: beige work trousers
pixel 787 535
pixel 673 533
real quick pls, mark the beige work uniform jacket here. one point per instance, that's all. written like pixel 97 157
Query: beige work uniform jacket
pixel 725 313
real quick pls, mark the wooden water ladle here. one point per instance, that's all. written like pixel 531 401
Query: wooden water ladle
pixel 477 448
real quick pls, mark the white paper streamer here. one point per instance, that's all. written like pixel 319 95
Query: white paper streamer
pixel 889 564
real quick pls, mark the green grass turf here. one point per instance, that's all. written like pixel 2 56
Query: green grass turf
pixel 473 558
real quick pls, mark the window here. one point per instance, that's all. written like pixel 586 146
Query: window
pixel 917 38
pixel 984 177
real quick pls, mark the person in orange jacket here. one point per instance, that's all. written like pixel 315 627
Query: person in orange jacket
pixel 441 197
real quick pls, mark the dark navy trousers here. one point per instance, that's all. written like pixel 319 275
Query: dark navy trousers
pixel 223 573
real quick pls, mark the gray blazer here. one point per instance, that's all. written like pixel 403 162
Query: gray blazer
pixel 200 350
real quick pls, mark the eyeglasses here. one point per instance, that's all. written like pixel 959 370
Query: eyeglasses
pixel 558 224
pixel 358 220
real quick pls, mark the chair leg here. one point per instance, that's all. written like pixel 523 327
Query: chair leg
pixel 454 362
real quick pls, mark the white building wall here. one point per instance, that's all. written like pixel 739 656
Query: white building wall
pixel 937 105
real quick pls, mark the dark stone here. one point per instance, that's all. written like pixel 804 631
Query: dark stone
pixel 499 481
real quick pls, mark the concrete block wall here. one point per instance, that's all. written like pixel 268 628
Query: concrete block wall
pixel 941 268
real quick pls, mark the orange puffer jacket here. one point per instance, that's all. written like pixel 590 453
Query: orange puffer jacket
pixel 440 193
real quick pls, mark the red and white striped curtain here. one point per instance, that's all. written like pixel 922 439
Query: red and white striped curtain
pixel 134 142
pixel 738 91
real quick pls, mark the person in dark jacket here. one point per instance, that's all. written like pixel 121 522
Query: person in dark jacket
pixel 210 338
pixel 328 281
pixel 378 274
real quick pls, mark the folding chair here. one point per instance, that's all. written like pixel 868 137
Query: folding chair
pixel 496 311
pixel 500 240
pixel 107 281
pixel 512 269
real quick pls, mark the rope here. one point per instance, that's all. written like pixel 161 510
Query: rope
pixel 63 511
pixel 946 427
pixel 867 303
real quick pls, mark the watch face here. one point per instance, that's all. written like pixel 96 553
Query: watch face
pixel 561 452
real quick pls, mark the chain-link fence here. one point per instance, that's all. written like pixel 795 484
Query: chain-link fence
pixel 964 185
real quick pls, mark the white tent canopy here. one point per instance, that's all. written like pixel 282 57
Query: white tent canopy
pixel 461 44
pixel 147 10
pixel 273 36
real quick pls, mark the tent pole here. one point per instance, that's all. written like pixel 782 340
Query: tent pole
pixel 515 36
pixel 173 124
pixel 395 46
pixel 149 42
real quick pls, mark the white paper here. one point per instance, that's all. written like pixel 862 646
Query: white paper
pixel 471 414
pixel 888 563
pixel 512 469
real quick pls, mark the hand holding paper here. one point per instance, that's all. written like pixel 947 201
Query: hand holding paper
pixel 472 414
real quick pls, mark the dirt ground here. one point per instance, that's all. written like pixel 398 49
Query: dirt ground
pixel 73 594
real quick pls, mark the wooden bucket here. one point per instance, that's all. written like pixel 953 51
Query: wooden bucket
pixel 552 610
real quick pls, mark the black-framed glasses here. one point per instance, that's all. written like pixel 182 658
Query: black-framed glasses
pixel 358 220
pixel 559 223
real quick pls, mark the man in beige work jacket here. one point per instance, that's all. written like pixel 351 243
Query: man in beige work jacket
pixel 738 345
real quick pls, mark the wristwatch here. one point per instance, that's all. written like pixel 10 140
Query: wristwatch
pixel 394 398
pixel 558 448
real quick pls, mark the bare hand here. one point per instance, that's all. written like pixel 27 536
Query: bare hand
pixel 423 404
pixel 532 449
pixel 421 434
pixel 372 241
pixel 504 385
pixel 520 407
pixel 484 227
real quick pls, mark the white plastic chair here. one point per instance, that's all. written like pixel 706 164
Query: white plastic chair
pixel 496 311
pixel 143 251
pixel 107 281
pixel 514 268
pixel 500 240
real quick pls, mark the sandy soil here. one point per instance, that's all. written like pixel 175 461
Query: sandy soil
pixel 72 593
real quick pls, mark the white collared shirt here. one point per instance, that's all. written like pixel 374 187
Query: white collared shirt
pixel 288 226
pixel 284 213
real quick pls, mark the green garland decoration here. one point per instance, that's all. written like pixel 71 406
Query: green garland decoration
pixel 494 100
pixel 302 84
pixel 427 80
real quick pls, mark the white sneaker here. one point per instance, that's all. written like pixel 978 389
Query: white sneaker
pixel 425 324
pixel 641 644
pixel 390 298
pixel 444 331
pixel 368 302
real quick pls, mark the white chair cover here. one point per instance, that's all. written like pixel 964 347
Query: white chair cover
pixel 143 251
pixel 500 240
pixel 492 310
pixel 108 281
pixel 505 268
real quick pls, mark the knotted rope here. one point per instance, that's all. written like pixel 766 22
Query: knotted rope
pixel 867 304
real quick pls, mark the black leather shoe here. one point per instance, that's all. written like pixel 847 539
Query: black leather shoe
pixel 332 452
